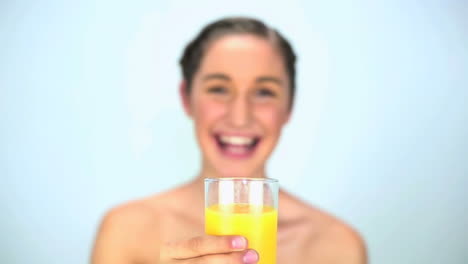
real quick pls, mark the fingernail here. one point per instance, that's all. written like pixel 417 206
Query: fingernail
pixel 250 257
pixel 239 242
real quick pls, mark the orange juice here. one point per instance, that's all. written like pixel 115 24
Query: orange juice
pixel 255 222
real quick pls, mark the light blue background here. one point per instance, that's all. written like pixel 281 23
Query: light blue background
pixel 90 118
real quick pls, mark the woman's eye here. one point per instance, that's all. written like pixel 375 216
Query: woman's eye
pixel 217 90
pixel 264 92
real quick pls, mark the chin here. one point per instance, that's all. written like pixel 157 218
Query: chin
pixel 234 175
pixel 236 172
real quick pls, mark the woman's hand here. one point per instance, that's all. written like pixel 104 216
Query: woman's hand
pixel 208 250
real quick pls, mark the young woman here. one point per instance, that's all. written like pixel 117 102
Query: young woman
pixel 238 88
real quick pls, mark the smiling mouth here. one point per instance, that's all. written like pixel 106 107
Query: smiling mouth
pixel 237 146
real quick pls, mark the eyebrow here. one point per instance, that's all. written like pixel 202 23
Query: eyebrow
pixel 219 76
pixel 224 77
pixel 269 79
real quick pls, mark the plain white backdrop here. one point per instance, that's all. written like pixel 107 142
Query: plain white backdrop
pixel 90 118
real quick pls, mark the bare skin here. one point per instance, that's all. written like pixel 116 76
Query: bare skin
pixel 137 231
pixel 240 93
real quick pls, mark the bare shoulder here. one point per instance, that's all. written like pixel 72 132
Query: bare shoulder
pixel 133 215
pixel 126 227
pixel 329 239
pixel 120 231
pixel 342 243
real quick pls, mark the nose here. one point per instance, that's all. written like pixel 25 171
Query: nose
pixel 239 112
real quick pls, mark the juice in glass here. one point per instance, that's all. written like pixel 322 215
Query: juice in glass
pixel 255 222
pixel 247 207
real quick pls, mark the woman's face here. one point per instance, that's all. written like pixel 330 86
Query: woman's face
pixel 239 103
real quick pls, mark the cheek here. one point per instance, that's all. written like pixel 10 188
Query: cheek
pixel 271 118
pixel 207 112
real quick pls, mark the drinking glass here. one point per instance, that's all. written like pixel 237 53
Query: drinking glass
pixel 246 207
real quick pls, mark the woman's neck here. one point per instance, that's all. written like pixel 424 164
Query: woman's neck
pixel 209 171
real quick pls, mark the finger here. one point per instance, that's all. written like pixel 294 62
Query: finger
pixel 249 256
pixel 203 245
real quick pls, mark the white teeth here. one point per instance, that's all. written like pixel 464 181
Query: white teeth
pixel 236 140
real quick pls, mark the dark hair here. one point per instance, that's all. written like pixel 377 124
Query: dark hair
pixel 195 50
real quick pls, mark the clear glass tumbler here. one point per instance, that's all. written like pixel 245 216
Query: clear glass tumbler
pixel 246 207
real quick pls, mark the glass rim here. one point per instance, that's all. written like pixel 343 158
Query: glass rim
pixel 267 180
